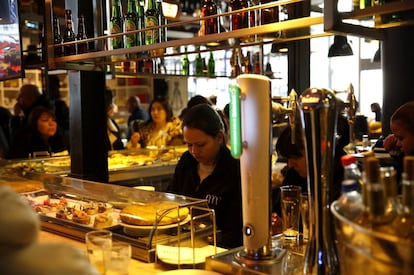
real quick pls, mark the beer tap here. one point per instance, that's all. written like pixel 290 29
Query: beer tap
pixel 280 111
pixel 350 107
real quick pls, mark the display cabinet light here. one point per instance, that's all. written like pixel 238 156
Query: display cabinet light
pixel 170 9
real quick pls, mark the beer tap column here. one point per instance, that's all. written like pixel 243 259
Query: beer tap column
pixel 319 111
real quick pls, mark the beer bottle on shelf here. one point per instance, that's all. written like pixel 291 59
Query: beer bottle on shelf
pixel 57 38
pixel 235 62
pixel 186 63
pixel 151 20
pixel 238 20
pixel 69 34
pixel 141 23
pixel 162 21
pixel 248 68
pixel 198 65
pixel 116 24
pixel 131 24
pixel 81 47
pixel 211 65
pixel 208 26
pixel 257 64
pixel 269 15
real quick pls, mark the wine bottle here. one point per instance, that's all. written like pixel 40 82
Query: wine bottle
pixel 81 47
pixel 131 24
pixel 248 68
pixel 211 25
pixel 57 38
pixel 69 34
pixel 211 65
pixel 198 65
pixel 116 24
pixel 141 23
pixel 238 20
pixel 186 63
pixel 151 20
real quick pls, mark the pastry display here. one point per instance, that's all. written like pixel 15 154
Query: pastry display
pixel 102 220
pixel 81 217
pixel 146 214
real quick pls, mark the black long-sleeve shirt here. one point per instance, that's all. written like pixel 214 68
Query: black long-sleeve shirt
pixel 222 189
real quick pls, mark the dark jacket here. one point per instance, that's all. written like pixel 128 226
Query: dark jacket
pixel 222 189
pixel 137 115
pixel 28 141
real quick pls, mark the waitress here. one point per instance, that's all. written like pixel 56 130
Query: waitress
pixel 208 171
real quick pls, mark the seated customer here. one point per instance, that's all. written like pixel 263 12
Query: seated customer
pixel 40 135
pixel 162 128
pixel 295 172
pixel 208 171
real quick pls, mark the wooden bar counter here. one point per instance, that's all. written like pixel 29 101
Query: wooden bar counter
pixel 136 267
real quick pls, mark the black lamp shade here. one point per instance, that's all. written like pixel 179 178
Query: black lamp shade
pixel 340 47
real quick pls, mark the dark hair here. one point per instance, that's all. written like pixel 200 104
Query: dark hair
pixel 405 115
pixel 36 113
pixel 165 105
pixel 284 146
pixel 203 117
pixel 198 99
pixel 108 98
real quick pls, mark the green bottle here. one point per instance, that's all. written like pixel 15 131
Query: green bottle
pixel 211 65
pixel 186 63
pixel 131 24
pixel 141 23
pixel 151 20
pixel 116 24
pixel 198 65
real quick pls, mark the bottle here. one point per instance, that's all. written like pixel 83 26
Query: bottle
pixel 363 4
pixel 350 202
pixel 404 224
pixel 375 216
pixel 352 172
pixel 186 63
pixel 69 34
pixel 57 38
pixel 131 24
pixel 238 20
pixel 257 64
pixel 116 24
pixel 81 47
pixel 208 26
pixel 162 22
pixel 248 68
pixel 211 65
pixel 269 15
pixel 141 22
pixel 151 20
pixel 198 65
pixel 235 63
pixel 389 180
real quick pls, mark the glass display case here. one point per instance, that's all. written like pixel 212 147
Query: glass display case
pixel 149 166
pixel 146 219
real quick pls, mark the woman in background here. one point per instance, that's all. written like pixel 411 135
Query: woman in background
pixel 162 128
pixel 40 135
pixel 208 171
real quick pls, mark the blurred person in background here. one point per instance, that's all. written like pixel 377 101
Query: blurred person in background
pixel 41 135
pixel 114 135
pixel 60 107
pixel 162 128
pixel 29 97
pixel 137 113
pixel 208 171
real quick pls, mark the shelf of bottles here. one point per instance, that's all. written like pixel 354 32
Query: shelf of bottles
pixel 367 18
pixel 146 49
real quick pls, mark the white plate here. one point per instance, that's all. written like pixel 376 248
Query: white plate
pixel 169 254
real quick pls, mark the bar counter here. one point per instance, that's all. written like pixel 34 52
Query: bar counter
pixel 136 267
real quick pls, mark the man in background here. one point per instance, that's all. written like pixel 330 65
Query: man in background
pixel 136 111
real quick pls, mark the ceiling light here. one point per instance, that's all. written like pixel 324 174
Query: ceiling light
pixel 340 47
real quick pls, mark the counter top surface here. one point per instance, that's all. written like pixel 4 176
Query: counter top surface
pixel 136 267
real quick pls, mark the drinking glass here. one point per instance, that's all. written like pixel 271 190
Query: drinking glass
pixel 290 202
pixel 98 245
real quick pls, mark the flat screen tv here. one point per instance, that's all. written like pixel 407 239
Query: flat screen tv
pixel 10 41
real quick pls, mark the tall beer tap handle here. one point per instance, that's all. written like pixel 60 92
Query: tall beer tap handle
pixel 293 104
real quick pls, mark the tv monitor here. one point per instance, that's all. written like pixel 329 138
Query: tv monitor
pixel 10 41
